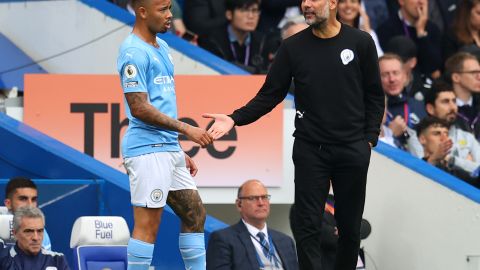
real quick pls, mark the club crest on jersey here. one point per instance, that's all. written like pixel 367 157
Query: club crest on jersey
pixel 130 71
pixel 346 56
pixel 156 195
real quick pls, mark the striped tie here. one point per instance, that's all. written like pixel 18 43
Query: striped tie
pixel 265 245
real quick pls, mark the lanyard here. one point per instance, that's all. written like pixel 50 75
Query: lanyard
pixel 471 123
pixel 405 28
pixel 247 54
pixel 406 113
pixel 271 251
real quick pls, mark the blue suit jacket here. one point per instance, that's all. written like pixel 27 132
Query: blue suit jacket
pixel 232 248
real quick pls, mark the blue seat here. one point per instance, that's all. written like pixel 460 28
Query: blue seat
pixel 100 257
pixel 100 243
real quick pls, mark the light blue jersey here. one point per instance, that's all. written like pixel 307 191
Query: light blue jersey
pixel 144 68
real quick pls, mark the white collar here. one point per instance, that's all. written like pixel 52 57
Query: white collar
pixel 461 103
pixel 400 15
pixel 254 230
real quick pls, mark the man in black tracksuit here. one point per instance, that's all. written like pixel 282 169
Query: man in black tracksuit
pixel 340 104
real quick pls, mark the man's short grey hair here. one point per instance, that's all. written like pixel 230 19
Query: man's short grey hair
pixel 26 212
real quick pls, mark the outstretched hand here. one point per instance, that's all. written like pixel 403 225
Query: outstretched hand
pixel 223 124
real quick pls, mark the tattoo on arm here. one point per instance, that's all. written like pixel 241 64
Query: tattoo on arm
pixel 188 206
pixel 143 110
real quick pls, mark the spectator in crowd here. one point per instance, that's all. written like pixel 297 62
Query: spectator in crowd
pixel 440 12
pixel 463 70
pixel 440 103
pixel 274 14
pixel 238 42
pixel 417 83
pixel 412 21
pixel 251 244
pixel 403 112
pixel 204 16
pixel 465 30
pixel 21 192
pixel 351 12
pixel 28 228
pixel 293 26
pixel 433 136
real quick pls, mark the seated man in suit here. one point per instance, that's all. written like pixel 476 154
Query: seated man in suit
pixel 250 244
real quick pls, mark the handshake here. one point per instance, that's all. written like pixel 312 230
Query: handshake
pixel 223 123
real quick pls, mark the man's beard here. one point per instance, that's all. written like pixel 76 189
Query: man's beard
pixel 321 22
pixel 450 119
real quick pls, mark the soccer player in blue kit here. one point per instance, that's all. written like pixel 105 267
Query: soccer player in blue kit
pixel 159 171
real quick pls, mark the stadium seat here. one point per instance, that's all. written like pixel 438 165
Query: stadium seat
pixel 6 225
pixel 100 243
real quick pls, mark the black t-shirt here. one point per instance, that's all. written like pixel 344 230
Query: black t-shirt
pixel 338 93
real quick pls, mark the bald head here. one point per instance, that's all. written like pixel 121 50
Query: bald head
pixel 247 184
pixel 253 203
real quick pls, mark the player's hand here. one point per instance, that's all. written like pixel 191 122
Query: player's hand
pixel 191 166
pixel 198 135
pixel 223 124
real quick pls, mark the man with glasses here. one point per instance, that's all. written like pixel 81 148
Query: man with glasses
pixel 238 42
pixel 463 71
pixel 250 244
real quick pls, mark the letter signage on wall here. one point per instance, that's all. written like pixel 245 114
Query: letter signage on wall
pixel 86 112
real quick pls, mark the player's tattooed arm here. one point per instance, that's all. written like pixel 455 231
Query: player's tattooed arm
pixel 141 109
pixel 187 204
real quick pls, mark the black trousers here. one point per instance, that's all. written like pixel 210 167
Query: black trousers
pixel 346 165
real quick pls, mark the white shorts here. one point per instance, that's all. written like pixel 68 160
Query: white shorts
pixel 153 175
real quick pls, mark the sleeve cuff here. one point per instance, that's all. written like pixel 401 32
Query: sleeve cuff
pixel 372 138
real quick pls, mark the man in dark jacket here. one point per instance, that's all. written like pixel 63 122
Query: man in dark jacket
pixel 238 42
pixel 403 111
pixel 250 244
pixel 412 21
pixel 28 228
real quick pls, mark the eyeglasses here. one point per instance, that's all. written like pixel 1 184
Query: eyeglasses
pixel 253 11
pixel 473 72
pixel 265 197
